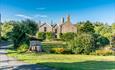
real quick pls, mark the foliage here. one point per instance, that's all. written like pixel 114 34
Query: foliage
pixel 113 28
pixel 87 27
pixel 41 35
pixel 104 52
pixel 104 30
pixel 57 50
pixel 23 48
pixel 113 41
pixel 49 35
pixel 82 44
pixel 30 26
pixel 6 28
pixel 100 41
pixel 48 46
pixel 67 36
pixel 21 32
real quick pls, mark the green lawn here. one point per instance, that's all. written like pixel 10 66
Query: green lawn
pixel 67 62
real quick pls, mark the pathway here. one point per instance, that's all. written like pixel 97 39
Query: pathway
pixel 9 63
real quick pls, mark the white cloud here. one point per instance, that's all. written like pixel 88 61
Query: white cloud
pixel 23 16
pixel 42 16
pixel 40 8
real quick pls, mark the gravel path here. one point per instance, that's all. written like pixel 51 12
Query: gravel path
pixel 9 63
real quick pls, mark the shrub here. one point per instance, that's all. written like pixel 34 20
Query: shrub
pixel 41 35
pixel 48 46
pixel 23 48
pixel 82 44
pixel 67 51
pixel 104 52
pixel 67 36
pixel 49 35
pixel 57 50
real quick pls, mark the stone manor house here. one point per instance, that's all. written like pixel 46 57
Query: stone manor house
pixel 56 29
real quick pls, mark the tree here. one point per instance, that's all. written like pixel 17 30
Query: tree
pixel 113 35
pixel 21 32
pixel 87 27
pixel 100 41
pixel 104 30
pixel 113 28
pixel 82 44
pixel 6 28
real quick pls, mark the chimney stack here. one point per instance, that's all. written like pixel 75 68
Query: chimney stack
pixel 68 18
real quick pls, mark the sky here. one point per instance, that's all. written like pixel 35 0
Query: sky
pixel 54 10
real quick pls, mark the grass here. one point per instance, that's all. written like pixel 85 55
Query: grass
pixel 67 61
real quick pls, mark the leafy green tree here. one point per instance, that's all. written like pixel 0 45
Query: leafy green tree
pixel 21 32
pixel 113 28
pixel 41 35
pixel 82 44
pixel 113 35
pixel 104 30
pixel 30 26
pixel 6 28
pixel 100 41
pixel 87 27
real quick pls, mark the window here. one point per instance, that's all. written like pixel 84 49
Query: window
pixel 55 30
pixel 45 29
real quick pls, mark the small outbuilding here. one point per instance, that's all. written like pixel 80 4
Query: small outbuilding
pixel 35 45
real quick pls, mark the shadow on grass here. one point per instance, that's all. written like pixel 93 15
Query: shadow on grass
pixel 32 67
pixel 86 65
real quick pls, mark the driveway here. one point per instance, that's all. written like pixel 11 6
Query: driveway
pixel 9 63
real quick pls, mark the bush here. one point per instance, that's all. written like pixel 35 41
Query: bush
pixel 104 52
pixel 41 35
pixel 49 35
pixel 67 36
pixel 67 51
pixel 48 46
pixel 82 44
pixel 23 48
pixel 57 50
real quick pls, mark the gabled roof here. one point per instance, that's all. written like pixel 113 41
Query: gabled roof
pixel 44 24
pixel 56 25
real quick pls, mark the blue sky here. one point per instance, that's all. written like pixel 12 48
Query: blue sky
pixel 54 10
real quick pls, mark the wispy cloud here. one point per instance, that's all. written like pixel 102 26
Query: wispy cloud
pixel 40 8
pixel 23 16
pixel 40 15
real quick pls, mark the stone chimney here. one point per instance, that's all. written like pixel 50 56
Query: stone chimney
pixel 68 19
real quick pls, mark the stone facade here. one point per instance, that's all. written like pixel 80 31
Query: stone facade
pixel 63 27
pixel 45 28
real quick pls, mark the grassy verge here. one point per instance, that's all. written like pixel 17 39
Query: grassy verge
pixel 67 62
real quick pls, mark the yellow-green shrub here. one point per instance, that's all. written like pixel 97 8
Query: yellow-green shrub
pixel 104 52
pixel 57 50
pixel 23 48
